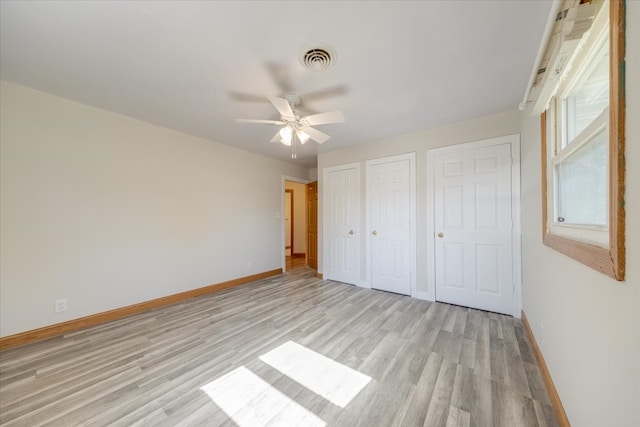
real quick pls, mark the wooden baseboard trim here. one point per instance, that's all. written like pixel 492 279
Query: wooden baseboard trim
pixel 561 415
pixel 298 255
pixel 118 313
pixel 319 275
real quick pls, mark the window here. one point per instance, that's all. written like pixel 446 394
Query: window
pixel 583 146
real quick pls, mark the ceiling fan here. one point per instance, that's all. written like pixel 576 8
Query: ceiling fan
pixel 295 127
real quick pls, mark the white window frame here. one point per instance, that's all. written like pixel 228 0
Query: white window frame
pixel 590 233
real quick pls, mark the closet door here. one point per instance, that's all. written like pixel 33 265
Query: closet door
pixel 341 223
pixel 391 223
pixel 473 205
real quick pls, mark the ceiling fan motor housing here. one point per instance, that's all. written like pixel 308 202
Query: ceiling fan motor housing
pixel 293 99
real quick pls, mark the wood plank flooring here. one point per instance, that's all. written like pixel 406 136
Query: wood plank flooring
pixel 292 263
pixel 430 364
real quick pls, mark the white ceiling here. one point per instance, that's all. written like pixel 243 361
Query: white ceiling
pixel 196 66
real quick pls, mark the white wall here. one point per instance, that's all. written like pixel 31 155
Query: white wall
pixel 504 123
pixel 299 216
pixel 108 211
pixel 591 322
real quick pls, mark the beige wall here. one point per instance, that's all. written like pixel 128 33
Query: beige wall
pixel 591 323
pixel 299 216
pixel 504 123
pixel 108 211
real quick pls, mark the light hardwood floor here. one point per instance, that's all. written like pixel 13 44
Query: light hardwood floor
pixel 292 263
pixel 430 364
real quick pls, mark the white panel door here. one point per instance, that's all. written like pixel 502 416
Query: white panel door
pixel 390 203
pixel 341 216
pixel 473 227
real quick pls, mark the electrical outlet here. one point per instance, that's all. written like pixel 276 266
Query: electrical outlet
pixel 60 305
pixel 249 265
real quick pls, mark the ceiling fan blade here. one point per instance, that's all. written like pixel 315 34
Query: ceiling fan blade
pixel 266 122
pixel 315 134
pixel 280 75
pixel 324 118
pixel 282 105
pixel 276 137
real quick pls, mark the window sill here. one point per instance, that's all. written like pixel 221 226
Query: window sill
pixel 592 256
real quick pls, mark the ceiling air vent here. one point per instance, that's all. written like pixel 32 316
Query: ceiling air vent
pixel 317 57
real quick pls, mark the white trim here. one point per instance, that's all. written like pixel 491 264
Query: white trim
pixel 282 188
pixel 412 208
pixel 325 247
pixel 514 141
pixel 516 233
pixel 294 179
pixel 422 295
pixel 430 294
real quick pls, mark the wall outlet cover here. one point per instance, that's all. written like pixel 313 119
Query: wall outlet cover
pixel 60 305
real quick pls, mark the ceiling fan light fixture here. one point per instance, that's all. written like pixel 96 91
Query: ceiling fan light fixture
pixel 286 133
pixel 302 136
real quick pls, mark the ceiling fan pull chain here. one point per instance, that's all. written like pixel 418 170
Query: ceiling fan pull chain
pixel 293 145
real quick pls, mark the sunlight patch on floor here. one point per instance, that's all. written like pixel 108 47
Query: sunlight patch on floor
pixel 250 402
pixel 334 381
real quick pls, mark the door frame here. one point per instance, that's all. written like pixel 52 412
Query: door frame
pixel 283 240
pixel 514 141
pixel 291 209
pixel 325 216
pixel 315 225
pixel 412 207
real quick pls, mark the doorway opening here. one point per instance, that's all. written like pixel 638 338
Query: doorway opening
pixel 295 224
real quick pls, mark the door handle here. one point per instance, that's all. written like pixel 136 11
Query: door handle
pixel 374 232
pixel 350 231
pixel 441 234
